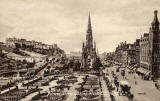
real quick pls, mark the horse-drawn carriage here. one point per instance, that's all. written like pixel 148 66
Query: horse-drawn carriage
pixel 125 89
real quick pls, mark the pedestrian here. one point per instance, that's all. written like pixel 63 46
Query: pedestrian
pixel 156 85
pixel 112 97
pixel 119 93
pixel 135 82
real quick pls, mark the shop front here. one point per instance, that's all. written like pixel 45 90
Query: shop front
pixel 144 73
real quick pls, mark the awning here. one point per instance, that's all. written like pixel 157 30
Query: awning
pixel 128 67
pixel 145 71
pixel 131 67
pixel 134 69
pixel 148 72
pixel 135 65
pixel 142 70
pixel 128 70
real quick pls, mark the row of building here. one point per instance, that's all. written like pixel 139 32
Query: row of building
pixel 10 42
pixel 127 53
pixel 144 53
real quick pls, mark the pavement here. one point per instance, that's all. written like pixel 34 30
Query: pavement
pixel 7 90
pixel 29 97
pixel 105 91
pixel 114 92
pixel 72 92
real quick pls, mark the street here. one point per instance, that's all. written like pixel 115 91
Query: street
pixel 144 90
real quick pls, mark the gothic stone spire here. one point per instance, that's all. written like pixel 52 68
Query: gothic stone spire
pixel 89 38
pixel 89 24
pixel 155 23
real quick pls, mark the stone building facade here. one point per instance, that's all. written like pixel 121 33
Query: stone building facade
pixel 150 49
pixel 144 54
pixel 127 54
pixel 10 42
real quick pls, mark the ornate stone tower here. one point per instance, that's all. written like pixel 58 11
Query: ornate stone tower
pixel 89 37
pixel 88 51
pixel 155 46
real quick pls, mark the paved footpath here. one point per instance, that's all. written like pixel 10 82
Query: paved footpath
pixel 105 91
pixel 72 92
pixel 114 92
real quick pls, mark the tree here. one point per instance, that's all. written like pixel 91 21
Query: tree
pixel 47 59
pixel 17 45
pixel 24 61
pixel 97 64
pixel 77 65
pixel 24 46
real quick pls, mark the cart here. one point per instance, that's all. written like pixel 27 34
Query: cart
pixel 125 89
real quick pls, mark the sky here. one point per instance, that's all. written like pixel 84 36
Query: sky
pixel 64 22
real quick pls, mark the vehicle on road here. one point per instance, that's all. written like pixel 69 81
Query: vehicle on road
pixel 125 89
pixel 117 70
pixel 157 84
pixel 123 72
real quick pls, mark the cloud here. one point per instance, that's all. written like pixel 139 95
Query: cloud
pixel 65 21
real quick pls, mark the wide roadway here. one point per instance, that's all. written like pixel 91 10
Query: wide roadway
pixel 144 90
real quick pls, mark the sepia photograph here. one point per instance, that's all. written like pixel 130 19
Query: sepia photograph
pixel 79 50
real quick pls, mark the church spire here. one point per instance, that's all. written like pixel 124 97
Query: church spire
pixel 83 44
pixel 89 19
pixel 89 24
pixel 89 37
pixel 155 23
